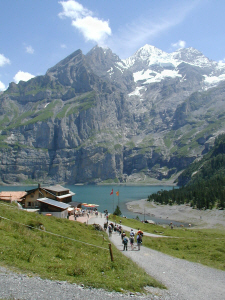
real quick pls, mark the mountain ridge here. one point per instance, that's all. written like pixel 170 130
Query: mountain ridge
pixel 93 119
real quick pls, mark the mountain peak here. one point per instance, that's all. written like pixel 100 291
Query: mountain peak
pixel 76 55
pixel 147 51
pixel 192 56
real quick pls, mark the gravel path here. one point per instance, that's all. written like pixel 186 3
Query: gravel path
pixel 183 279
pixel 22 287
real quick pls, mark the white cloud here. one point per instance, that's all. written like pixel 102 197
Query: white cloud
pixel 74 10
pixel 92 28
pixel 3 60
pixel 29 49
pixel 24 76
pixel 63 46
pixel 2 86
pixel 179 44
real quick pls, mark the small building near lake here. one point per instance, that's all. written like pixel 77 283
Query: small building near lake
pixel 56 192
pixel 53 200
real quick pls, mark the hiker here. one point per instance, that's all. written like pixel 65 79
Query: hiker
pixel 123 235
pixel 112 225
pixel 125 242
pixel 105 226
pixel 139 240
pixel 132 234
pixel 110 230
pixel 120 229
pixel 140 232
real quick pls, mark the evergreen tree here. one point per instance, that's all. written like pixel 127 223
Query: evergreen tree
pixel 117 211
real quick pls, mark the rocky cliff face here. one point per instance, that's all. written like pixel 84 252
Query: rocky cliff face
pixel 95 118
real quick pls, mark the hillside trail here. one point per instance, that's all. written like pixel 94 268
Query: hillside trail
pixel 184 280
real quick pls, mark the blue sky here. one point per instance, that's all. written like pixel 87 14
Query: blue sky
pixel 37 34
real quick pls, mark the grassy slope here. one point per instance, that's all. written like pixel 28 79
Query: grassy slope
pixel 205 246
pixel 54 257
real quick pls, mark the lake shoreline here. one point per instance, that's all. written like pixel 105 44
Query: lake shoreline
pixel 180 213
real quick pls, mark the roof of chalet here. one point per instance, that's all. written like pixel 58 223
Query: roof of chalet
pixel 12 196
pixel 31 191
pixel 66 195
pixel 53 203
pixel 55 188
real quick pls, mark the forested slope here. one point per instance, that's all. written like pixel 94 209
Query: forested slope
pixel 205 182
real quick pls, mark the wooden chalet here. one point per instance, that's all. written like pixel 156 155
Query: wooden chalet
pixel 56 192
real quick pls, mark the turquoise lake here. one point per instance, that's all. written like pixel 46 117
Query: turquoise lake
pixel 100 195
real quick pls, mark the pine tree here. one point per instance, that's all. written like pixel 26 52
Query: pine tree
pixel 117 211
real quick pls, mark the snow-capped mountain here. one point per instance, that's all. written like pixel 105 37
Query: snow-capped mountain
pixel 96 117
pixel 150 64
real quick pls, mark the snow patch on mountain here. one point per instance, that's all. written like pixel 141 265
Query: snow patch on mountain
pixel 212 81
pixel 150 77
pixel 110 71
pixel 138 91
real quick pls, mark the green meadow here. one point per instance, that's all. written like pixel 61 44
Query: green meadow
pixel 60 249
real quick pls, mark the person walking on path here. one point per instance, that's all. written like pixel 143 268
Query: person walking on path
pixel 125 242
pixel 110 229
pixel 123 235
pixel 139 241
pixel 132 234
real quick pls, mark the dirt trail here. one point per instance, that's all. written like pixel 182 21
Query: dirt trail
pixel 184 280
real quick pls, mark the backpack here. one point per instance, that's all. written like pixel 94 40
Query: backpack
pixel 132 239
pixel 125 240
pixel 139 238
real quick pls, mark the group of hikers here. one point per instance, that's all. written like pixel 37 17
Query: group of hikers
pixel 125 240
pixel 132 236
